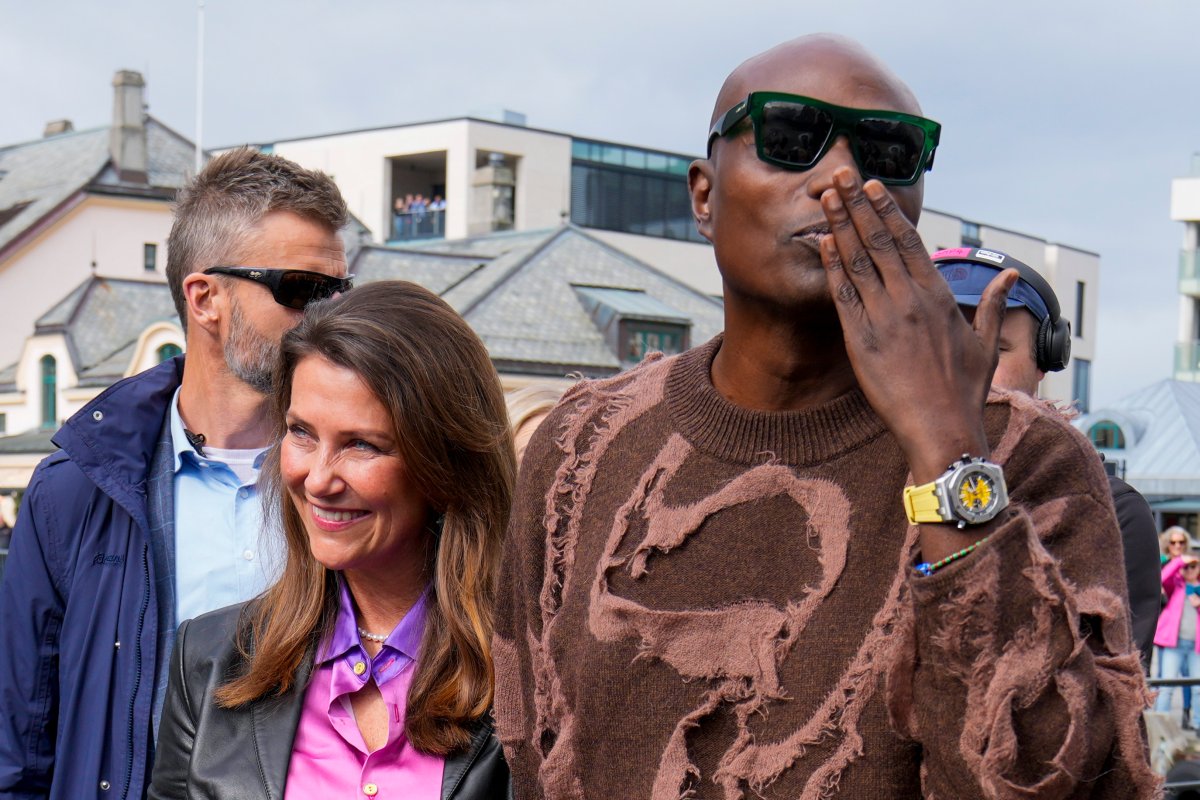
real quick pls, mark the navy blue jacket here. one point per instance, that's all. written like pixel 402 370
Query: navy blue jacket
pixel 79 618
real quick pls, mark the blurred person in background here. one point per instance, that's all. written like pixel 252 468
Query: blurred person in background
pixel 1035 339
pixel 1176 636
pixel 527 408
pixel 1174 542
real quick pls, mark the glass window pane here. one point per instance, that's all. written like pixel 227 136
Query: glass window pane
pixel 580 149
pixel 580 205
pixel 634 206
pixel 608 205
pixel 656 162
pixel 635 158
pixel 655 210
pixel 614 155
pixel 678 211
pixel 49 392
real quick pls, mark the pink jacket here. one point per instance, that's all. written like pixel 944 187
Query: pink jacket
pixel 1167 633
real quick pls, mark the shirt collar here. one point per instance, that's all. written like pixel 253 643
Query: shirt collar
pixel 179 441
pixel 405 638
pixel 183 448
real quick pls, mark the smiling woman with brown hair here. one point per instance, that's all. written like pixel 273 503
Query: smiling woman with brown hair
pixel 366 669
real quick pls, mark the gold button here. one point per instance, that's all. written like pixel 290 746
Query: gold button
pixel 359 669
pixel 370 790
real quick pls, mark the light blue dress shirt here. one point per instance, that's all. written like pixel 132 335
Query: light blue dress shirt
pixel 223 555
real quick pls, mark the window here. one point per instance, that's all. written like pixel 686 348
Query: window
pixel 1082 390
pixel 639 338
pixel 167 351
pixel 971 234
pixel 1107 435
pixel 1079 287
pixel 3 424
pixel 49 392
pixel 635 191
pixel 149 256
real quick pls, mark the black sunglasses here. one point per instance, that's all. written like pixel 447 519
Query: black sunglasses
pixel 795 132
pixel 294 288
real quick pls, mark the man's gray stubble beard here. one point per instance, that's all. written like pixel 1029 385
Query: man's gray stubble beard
pixel 249 355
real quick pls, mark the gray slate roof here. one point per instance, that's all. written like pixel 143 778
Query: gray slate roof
pixel 34 441
pixel 437 272
pixel 488 246
pixel 1161 425
pixel 524 305
pixel 102 319
pixel 42 174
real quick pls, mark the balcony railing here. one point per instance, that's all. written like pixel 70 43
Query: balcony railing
pixel 413 225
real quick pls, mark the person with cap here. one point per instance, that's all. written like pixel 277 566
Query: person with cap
pixel 810 557
pixel 1035 338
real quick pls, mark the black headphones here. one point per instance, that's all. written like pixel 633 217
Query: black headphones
pixel 1054 333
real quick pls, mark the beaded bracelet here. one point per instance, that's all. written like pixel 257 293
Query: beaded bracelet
pixel 926 568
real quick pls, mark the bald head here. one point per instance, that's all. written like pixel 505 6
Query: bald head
pixel 765 218
pixel 823 66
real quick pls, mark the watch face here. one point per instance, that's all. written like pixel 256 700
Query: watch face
pixel 977 497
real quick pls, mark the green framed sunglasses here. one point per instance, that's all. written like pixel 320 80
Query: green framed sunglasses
pixel 795 132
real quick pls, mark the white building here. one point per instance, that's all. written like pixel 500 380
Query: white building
pixel 498 174
pixel 78 203
pixel 1185 208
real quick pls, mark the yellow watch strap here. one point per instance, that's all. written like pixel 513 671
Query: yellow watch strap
pixel 921 504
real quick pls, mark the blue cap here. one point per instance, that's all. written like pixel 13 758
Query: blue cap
pixel 968 280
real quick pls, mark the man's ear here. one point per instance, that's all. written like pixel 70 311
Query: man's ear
pixel 700 183
pixel 204 300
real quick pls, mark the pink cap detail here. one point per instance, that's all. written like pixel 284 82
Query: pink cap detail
pixel 953 252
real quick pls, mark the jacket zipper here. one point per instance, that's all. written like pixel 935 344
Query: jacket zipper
pixel 137 679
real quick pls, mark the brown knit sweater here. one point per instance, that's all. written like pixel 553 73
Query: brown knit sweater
pixel 701 601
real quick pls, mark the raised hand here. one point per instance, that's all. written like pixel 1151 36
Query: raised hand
pixel 922 367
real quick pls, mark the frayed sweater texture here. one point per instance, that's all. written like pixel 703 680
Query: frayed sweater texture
pixel 703 601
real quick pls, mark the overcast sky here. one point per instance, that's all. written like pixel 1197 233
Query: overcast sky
pixel 1063 119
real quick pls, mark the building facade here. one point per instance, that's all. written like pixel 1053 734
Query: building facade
pixel 88 202
pixel 548 305
pixel 490 175
pixel 1185 208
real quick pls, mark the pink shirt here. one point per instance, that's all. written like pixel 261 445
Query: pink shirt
pixel 329 756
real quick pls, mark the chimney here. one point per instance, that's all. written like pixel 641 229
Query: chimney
pixel 56 126
pixel 127 137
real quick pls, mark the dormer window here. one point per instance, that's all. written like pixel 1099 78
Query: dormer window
pixel 639 338
pixel 167 351
pixel 633 323
pixel 1107 435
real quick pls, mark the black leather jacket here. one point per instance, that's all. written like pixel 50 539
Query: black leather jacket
pixel 205 751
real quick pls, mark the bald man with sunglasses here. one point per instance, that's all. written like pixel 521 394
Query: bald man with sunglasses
pixel 149 514
pixel 810 558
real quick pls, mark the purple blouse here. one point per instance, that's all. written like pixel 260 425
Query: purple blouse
pixel 329 756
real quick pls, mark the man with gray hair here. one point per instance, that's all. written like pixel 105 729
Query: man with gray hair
pixel 149 513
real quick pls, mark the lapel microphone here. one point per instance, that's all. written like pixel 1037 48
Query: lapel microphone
pixel 196 440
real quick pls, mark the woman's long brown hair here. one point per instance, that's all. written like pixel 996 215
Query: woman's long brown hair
pixel 433 374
